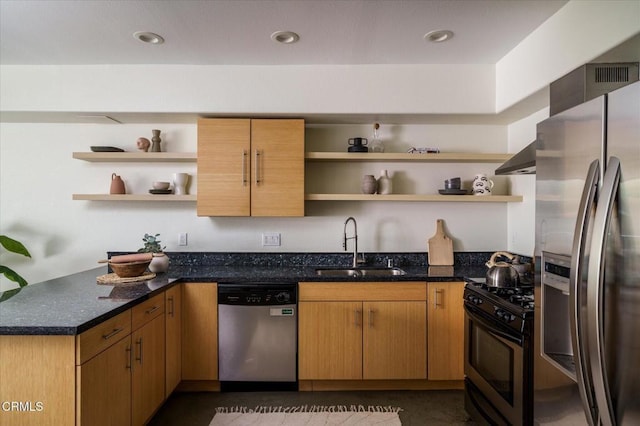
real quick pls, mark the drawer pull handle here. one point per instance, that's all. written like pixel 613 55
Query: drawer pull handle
pixel 113 333
pixel 152 310
pixel 244 167
pixel 139 343
pixel 257 167
pixel 128 353
pixel 435 297
pixel 356 317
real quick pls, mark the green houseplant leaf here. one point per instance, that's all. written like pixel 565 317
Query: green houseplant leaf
pixel 14 246
pixel 12 275
pixel 151 244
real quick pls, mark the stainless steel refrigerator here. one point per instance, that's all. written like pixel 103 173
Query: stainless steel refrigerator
pixel 587 331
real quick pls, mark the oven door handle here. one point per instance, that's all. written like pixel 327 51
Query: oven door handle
pixel 501 335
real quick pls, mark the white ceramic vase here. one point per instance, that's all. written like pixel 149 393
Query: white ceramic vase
pixel 180 181
pixel 159 263
pixel 385 185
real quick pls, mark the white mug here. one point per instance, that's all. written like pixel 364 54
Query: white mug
pixel 482 185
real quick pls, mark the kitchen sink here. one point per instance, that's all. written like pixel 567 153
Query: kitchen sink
pixel 359 272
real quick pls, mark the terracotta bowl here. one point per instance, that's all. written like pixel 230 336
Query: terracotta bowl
pixel 129 269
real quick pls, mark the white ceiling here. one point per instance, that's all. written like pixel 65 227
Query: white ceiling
pixel 237 32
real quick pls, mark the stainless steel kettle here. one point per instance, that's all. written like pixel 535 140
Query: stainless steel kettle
pixel 502 274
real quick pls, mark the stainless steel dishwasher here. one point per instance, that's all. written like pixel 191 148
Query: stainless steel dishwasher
pixel 257 336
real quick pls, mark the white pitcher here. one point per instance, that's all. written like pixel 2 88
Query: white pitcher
pixel 482 185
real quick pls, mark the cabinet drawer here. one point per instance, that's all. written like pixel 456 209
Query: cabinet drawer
pixel 102 336
pixel 363 291
pixel 146 311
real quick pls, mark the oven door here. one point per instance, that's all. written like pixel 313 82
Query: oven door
pixel 493 362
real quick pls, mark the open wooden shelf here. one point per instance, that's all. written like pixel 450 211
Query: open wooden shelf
pixel 442 157
pixel 134 197
pixel 136 157
pixel 416 197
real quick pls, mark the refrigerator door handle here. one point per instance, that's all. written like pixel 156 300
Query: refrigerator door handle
pixel 595 291
pixel 576 292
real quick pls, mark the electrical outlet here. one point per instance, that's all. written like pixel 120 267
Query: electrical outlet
pixel 182 239
pixel 270 238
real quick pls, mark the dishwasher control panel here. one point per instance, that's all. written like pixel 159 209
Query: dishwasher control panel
pixel 257 294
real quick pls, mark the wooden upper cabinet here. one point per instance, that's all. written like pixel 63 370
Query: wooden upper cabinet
pixel 224 171
pixel 250 167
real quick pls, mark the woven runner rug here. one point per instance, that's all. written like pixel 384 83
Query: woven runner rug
pixel 308 415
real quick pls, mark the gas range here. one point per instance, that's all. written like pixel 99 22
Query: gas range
pixel 511 307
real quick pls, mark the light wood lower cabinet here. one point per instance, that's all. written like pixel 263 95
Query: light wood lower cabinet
pixel 329 340
pixel 200 331
pixel 362 331
pixel 446 330
pixel 39 373
pixel 104 387
pixel 394 340
pixel 148 369
pixel 173 347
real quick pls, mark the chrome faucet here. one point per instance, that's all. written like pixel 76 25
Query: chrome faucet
pixel 354 238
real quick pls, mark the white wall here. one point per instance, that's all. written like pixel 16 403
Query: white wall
pixel 38 176
pixel 411 89
pixel 578 33
pixel 521 222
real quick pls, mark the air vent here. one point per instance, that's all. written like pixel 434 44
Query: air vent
pixel 611 74
pixel 588 82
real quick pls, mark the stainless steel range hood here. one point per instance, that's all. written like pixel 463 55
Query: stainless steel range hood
pixel 580 85
pixel 523 163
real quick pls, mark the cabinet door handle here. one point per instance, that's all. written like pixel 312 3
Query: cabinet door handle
pixel 244 168
pixel 356 317
pixel 152 310
pixel 171 306
pixel 139 344
pixel 127 352
pixel 257 167
pixel 113 333
pixel 371 312
pixel 436 292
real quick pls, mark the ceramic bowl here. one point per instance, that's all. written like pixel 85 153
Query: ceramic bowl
pixel 130 269
pixel 161 185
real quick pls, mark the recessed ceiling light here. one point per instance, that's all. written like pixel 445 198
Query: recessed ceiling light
pixel 285 37
pixel 438 36
pixel 148 37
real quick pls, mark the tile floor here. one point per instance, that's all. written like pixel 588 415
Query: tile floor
pixel 418 407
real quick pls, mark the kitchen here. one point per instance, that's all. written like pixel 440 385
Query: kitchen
pixel 75 242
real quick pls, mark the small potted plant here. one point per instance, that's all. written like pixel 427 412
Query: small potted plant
pixel 160 261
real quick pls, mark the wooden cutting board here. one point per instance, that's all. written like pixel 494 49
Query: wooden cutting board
pixel 440 247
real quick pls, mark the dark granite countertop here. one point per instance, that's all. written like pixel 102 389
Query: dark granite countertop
pixel 72 304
